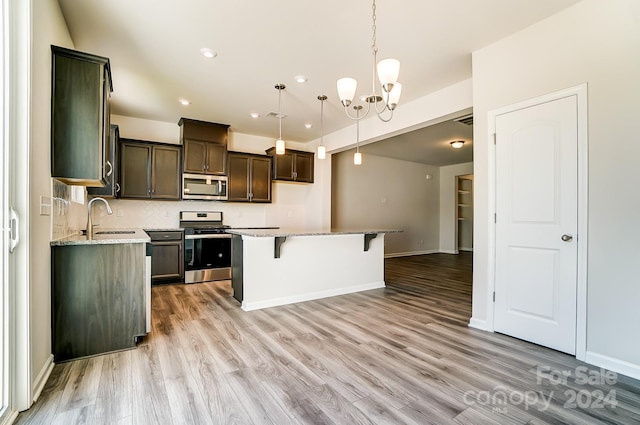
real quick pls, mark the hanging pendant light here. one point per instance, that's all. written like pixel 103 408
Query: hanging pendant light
pixel 322 151
pixel 388 71
pixel 280 145
pixel 357 157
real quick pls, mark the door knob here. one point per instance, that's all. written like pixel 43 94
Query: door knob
pixel 567 238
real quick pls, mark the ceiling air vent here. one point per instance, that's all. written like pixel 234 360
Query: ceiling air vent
pixel 467 119
pixel 275 115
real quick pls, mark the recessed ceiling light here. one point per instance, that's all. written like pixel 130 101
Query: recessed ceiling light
pixel 300 79
pixel 184 102
pixel 255 115
pixel 457 144
pixel 308 125
pixel 208 53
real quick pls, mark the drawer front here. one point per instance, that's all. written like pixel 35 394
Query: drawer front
pixel 165 235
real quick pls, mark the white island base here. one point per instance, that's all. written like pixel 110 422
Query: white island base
pixel 310 265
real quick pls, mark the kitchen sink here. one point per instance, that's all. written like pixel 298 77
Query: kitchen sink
pixel 115 232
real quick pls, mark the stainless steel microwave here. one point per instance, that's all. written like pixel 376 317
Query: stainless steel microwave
pixel 204 186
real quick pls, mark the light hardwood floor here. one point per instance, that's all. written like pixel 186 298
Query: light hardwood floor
pixel 399 355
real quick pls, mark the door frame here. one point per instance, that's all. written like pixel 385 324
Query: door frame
pixel 580 92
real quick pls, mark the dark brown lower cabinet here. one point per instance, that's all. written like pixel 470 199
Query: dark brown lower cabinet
pixel 98 298
pixel 249 177
pixel 167 256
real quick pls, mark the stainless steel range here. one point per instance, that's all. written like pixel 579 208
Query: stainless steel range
pixel 207 248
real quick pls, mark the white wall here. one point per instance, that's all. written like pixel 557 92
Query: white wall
pixel 385 193
pixel 597 42
pixel 448 222
pixel 48 27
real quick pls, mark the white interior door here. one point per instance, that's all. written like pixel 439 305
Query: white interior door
pixel 536 224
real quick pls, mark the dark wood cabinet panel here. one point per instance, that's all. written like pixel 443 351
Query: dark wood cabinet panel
pixel 80 99
pixel 112 188
pixel 304 167
pixel 292 165
pixel 135 170
pixel 260 179
pixel 195 154
pixel 249 177
pixel 98 298
pixel 150 170
pixel 205 146
pixel 238 184
pixel 165 172
pixel 167 256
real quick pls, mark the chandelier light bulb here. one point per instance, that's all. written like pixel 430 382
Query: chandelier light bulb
pixel 394 95
pixel 346 90
pixel 388 71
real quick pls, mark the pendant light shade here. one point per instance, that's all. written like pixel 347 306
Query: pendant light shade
pixel 280 145
pixel 322 151
pixel 357 157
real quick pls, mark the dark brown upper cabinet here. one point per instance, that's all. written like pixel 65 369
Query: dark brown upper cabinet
pixel 112 188
pixel 149 170
pixel 205 146
pixel 80 111
pixel 249 177
pixel 292 165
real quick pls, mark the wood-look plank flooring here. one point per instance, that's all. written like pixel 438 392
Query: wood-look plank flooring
pixel 398 355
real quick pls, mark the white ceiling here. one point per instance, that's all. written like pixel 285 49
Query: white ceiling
pixel 154 49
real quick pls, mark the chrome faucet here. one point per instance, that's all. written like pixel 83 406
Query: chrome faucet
pixel 89 222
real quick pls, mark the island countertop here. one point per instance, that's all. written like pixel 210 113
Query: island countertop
pixel 105 237
pixel 285 232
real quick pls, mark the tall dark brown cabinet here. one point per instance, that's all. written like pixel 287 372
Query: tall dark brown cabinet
pixel 205 146
pixel 149 170
pixel 80 118
pixel 249 177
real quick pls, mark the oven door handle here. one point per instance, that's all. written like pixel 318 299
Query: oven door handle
pixel 211 236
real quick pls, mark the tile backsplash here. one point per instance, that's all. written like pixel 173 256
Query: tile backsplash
pixel 67 214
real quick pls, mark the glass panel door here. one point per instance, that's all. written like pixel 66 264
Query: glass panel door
pixel 4 212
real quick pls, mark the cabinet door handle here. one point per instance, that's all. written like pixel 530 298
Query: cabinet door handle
pixel 110 169
pixel 117 187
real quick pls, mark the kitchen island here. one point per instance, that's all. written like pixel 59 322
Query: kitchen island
pixel 101 292
pixel 274 267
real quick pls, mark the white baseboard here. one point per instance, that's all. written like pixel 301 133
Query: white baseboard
pixel 41 379
pixel 620 366
pixel 478 324
pixel 466 249
pixel 449 251
pixel 310 296
pixel 10 418
pixel 409 254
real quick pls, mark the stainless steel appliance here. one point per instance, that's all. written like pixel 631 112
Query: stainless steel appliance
pixel 203 186
pixel 207 247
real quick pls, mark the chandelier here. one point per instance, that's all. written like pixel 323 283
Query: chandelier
pixel 388 70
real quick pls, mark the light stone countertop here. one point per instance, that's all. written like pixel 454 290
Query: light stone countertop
pixel 111 236
pixel 284 232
